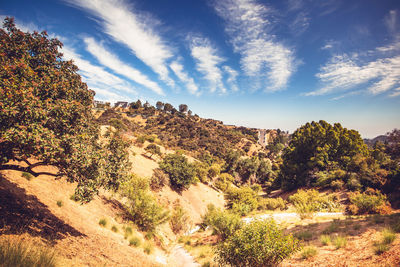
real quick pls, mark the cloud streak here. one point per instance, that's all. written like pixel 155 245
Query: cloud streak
pixel 207 62
pixel 135 32
pixel 177 68
pixel 111 61
pixel 248 28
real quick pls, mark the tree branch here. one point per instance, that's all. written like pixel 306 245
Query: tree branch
pixel 27 169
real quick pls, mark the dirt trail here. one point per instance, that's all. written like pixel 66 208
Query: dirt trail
pixel 279 217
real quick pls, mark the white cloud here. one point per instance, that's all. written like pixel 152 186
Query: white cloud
pixel 130 29
pixel 177 68
pixel 395 93
pixel 343 73
pixel 207 62
pixel 391 21
pixel 97 77
pixel 232 75
pixel 111 61
pixel 247 26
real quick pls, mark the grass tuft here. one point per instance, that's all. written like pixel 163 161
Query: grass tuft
pixel 340 242
pixel 135 241
pixel 27 176
pixel 388 236
pixel 381 248
pixel 59 203
pixel 325 240
pixel 20 254
pixel 103 222
pixel 308 252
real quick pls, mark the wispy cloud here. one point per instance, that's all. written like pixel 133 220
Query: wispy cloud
pixel 248 28
pixel 344 73
pixel 178 69
pixel 232 75
pixel 132 30
pixel 207 62
pixel 96 77
pixel 110 60
pixel 392 21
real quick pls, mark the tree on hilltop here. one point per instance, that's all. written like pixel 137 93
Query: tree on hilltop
pixel 46 119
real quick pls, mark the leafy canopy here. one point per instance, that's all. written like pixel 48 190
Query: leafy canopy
pixel 45 115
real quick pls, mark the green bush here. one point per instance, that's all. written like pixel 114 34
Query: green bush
pixel 222 222
pixel 272 204
pixel 114 229
pixel 307 202
pixel 369 202
pixel 242 200
pixel 353 183
pixel 59 203
pixel 145 212
pixel 181 173
pixel 17 253
pixel 224 181
pixel 259 243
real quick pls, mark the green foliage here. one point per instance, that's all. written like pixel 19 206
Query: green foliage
pixel 242 200
pixel 325 240
pixel 153 149
pixel 381 248
pixel 148 248
pixel 224 181
pixel 213 171
pixel 17 253
pixel 45 113
pixel 144 210
pixel 114 229
pixel 308 252
pixel 179 219
pixel 158 180
pixel 340 241
pixel 307 202
pixel 318 146
pixel 259 243
pixel 370 201
pixel 27 176
pixel 388 236
pixel 223 223
pixel 181 172
pixel 59 203
pixel 135 241
pixel 272 204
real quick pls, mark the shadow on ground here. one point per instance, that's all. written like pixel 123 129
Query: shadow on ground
pixel 22 213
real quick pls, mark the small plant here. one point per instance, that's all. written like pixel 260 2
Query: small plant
pixel 306 236
pixel 19 253
pixel 148 248
pixel 388 236
pixel 73 197
pixel 135 241
pixel 381 248
pixel 179 220
pixel 369 202
pixel 27 176
pixel 59 203
pixel 308 252
pixel 128 230
pixel 103 222
pixel 333 227
pixel 340 242
pixel 114 229
pixel 325 240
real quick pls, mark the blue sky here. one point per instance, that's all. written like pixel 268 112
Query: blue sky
pixel 256 63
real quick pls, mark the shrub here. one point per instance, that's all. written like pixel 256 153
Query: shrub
pixel 158 180
pixel 337 185
pixel 224 181
pixel 368 202
pixel 153 149
pixel 179 219
pixel 144 210
pixel 59 203
pixel 259 243
pixel 103 222
pixel 242 200
pixel 308 252
pixel 181 172
pixel 307 202
pixel 135 241
pixel 74 197
pixel 325 240
pixel 27 176
pixel 271 204
pixel 148 248
pixel 213 171
pixel 17 253
pixel 340 242
pixel 388 236
pixel 353 183
pixel 222 222
pixel 114 229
